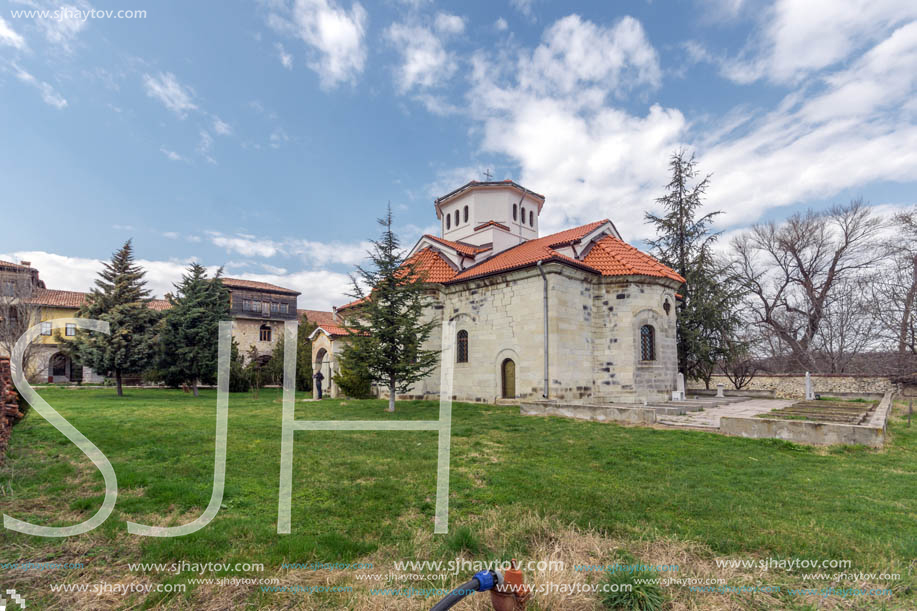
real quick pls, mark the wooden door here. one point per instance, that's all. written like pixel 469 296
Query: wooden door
pixel 509 379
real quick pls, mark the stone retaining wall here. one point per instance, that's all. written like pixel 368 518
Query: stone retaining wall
pixel 598 413
pixel 815 433
pixel 788 386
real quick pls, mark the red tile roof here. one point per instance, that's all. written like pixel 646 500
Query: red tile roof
pixel 529 252
pixel 432 266
pixel 237 283
pixel 609 256
pixel 318 317
pixel 334 330
pixel 58 299
pixel 614 257
pixel 160 305
pixel 492 223
pixel 468 250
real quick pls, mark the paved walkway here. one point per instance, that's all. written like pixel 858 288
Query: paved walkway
pixel 710 417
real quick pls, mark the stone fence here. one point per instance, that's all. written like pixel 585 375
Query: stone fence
pixel 9 406
pixel 793 386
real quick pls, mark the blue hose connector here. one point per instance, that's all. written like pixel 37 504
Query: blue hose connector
pixel 486 579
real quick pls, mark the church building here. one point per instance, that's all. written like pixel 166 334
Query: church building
pixel 578 314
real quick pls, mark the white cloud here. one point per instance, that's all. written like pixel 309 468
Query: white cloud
pixel 170 155
pixel 50 96
pixel 10 37
pixel 205 146
pixel 524 7
pixel 286 59
pixel 173 95
pixel 221 127
pixel 334 35
pixel 313 253
pixel 246 245
pixel 320 289
pixel 449 24
pixel 64 29
pixel 501 25
pixel 798 38
pixel 278 138
pixel 552 112
pixel 425 62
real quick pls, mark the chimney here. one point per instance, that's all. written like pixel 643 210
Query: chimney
pixel 26 263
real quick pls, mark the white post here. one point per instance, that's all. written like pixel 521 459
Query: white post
pixel 810 394
pixel 719 390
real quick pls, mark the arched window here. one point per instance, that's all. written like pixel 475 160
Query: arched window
pixel 265 334
pixel 531 218
pixel 523 215
pixel 461 345
pixel 667 307
pixel 515 212
pixel 456 218
pixel 448 221
pixel 647 343
pixel 466 214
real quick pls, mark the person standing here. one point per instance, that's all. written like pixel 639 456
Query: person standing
pixel 318 383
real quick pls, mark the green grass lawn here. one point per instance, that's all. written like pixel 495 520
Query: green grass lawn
pixel 370 495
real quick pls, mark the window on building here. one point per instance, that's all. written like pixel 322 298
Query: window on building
pixel 456 218
pixel 448 221
pixel 466 214
pixel 70 329
pixel 275 307
pixel 523 215
pixel 531 218
pixel 9 288
pixel 284 308
pixel 515 212
pixel 461 343
pixel 46 328
pixel 266 308
pixel 667 307
pixel 265 334
pixel 647 343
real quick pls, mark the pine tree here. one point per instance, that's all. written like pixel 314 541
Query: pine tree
pixel 707 318
pixel 387 330
pixel 189 341
pixel 119 297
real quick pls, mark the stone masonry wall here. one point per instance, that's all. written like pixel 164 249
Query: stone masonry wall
pixel 593 336
pixel 247 333
pixel 794 386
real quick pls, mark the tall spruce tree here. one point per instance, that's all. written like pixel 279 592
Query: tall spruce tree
pixel 388 330
pixel 121 298
pixel 708 317
pixel 189 340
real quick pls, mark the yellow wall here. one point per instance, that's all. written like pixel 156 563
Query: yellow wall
pixel 50 313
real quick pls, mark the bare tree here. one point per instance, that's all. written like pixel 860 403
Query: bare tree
pixel 847 329
pixel 892 292
pixel 793 270
pixel 18 312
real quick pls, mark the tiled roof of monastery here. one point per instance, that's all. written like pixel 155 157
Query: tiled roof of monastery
pixel 614 257
pixel 469 250
pixel 318 317
pixel 608 256
pixel 237 283
pixel 74 300
pixel 58 299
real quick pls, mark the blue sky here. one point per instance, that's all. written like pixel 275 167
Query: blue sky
pixel 268 136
